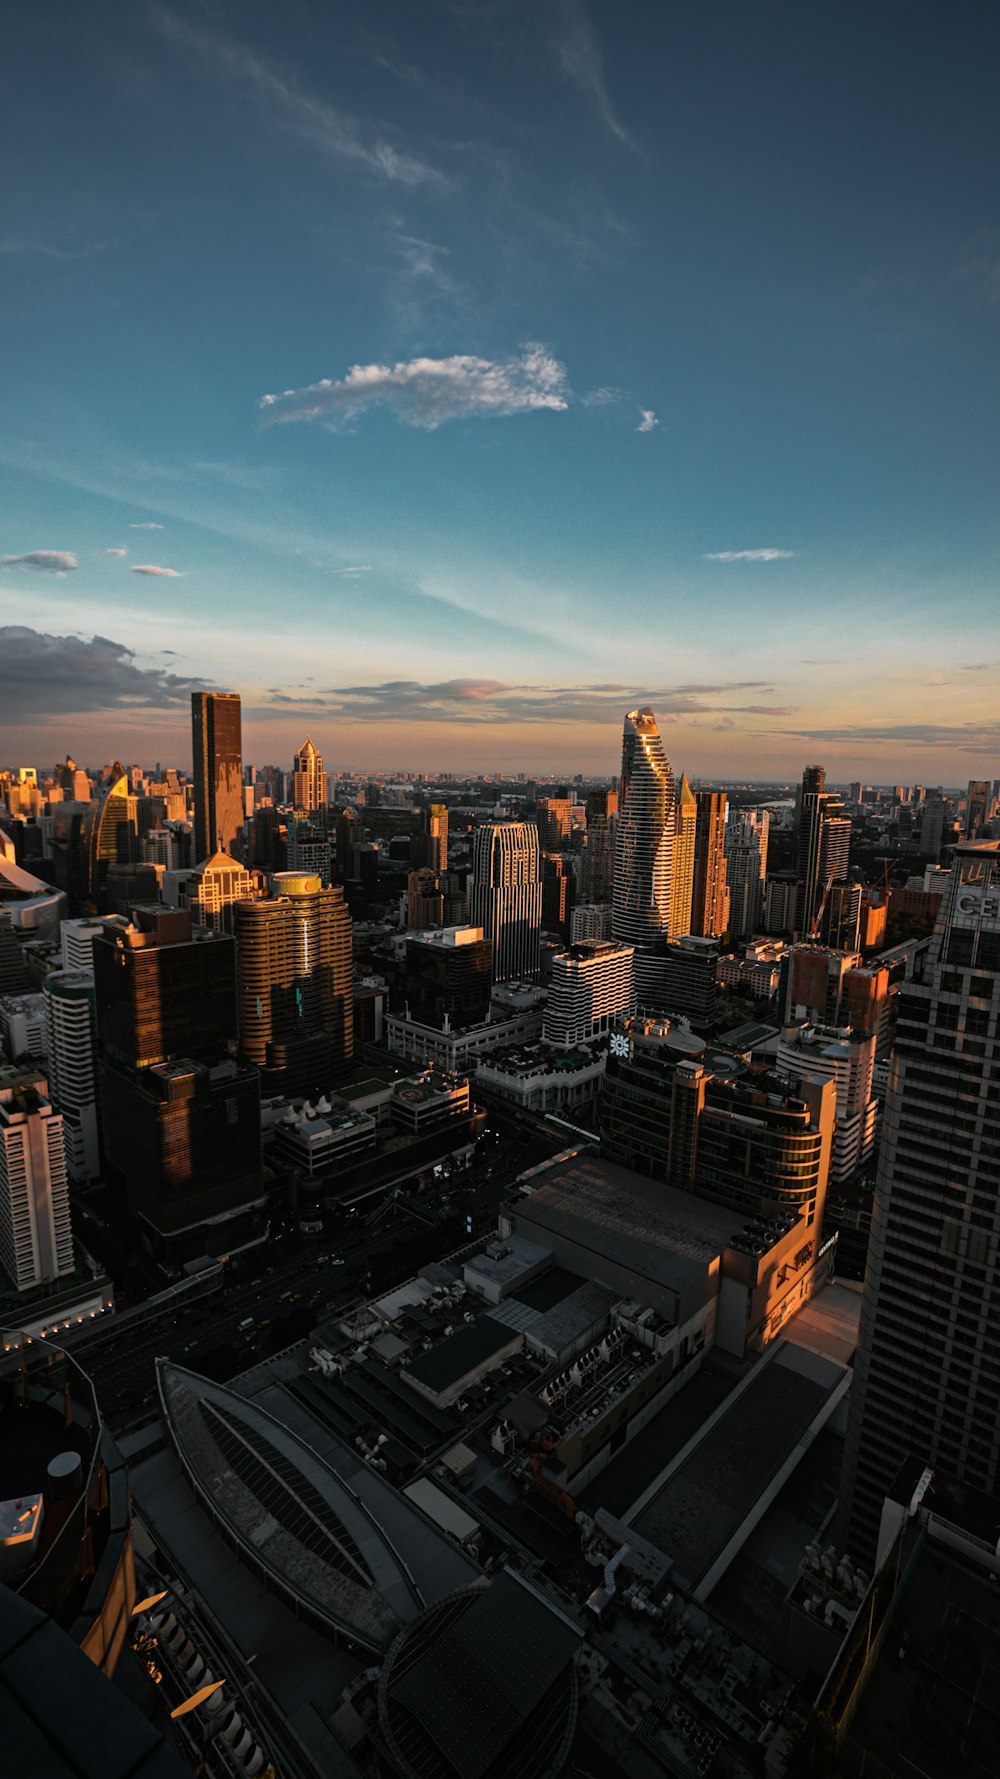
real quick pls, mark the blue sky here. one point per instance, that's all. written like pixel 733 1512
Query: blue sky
pixel 620 353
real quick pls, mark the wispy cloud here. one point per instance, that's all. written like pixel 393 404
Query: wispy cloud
pixel 425 392
pixel 286 106
pixel 116 552
pixel 580 60
pixel 154 568
pixel 970 738
pixel 354 570
pixel 146 525
pixel 748 555
pixel 42 561
pixel 57 252
pixel 649 422
pixel 489 701
pixel 77 675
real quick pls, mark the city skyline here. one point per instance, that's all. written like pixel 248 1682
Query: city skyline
pixel 448 386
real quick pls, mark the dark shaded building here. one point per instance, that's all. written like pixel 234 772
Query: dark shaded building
pixel 447 980
pixel 429 848
pixel 557 894
pixel 295 984
pixel 824 839
pixel 181 1118
pixel 218 774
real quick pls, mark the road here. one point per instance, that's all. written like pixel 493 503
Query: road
pixel 286 1286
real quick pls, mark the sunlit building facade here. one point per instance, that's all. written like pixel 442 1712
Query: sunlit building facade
pixel 644 836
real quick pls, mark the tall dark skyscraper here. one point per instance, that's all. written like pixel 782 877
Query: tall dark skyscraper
pixel 181 1117
pixel 823 849
pixel 505 898
pixel 927 1378
pixel 218 774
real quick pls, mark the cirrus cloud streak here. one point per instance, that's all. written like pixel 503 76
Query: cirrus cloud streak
pixel 489 701
pixel 424 392
pixel 768 555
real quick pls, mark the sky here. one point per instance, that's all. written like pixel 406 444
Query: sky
pixel 449 378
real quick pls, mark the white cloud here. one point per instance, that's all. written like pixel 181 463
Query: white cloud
pixel 152 568
pixel 44 561
pixel 116 552
pixel 648 421
pixel 427 391
pixel 356 569
pixel 145 525
pixel 746 555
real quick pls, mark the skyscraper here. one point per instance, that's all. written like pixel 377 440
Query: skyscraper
pixel 181 1118
pixel 309 781
pixel 36 1240
pixel 927 1378
pixel 429 848
pixel 590 988
pixel 746 868
pixel 682 885
pixel 824 840
pixel 710 895
pixel 506 896
pixel 644 836
pixel 111 836
pixel 977 806
pixel 295 984
pixel 218 774
pixel 597 861
pixel 217 884
pixel 72 1064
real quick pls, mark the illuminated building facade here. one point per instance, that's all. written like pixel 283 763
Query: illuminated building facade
pixel 217 746
pixel 295 984
pixel 644 835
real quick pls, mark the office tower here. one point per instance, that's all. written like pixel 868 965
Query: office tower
pixel 36 1241
pixel 933 817
pixel 215 886
pixel 295 983
pixel 505 896
pixel 824 837
pixel 424 901
pixel 552 815
pixel 590 920
pixel 679 977
pixel 590 988
pixel 710 894
pixel 841 923
pixel 597 860
pixel 644 835
pixel 14 977
pixel 847 1058
pixel 747 832
pixel 977 806
pixel 181 1119
pixel 309 781
pixel 77 939
pixel 72 1067
pixel 683 867
pixel 557 893
pixel 218 774
pixel 308 849
pixel 112 839
pixel 429 848
pixel 665 1111
pixel 448 978
pixel 927 1377
pixel 855 792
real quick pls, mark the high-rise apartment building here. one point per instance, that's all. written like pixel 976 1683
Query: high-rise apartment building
pixel 36 1240
pixel 597 860
pixel 683 872
pixel 448 978
pixel 72 1066
pixel 927 1377
pixel 218 774
pixel 505 897
pixel 644 835
pixel 77 939
pixel 309 781
pixel 747 832
pixel 590 988
pixel 977 806
pixel 553 817
pixel 824 838
pixel 429 848
pixel 710 894
pixel 295 984
pixel 847 1058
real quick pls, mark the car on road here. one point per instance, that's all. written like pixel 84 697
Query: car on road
pixel 247 1322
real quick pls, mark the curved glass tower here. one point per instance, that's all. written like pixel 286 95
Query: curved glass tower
pixel 644 838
